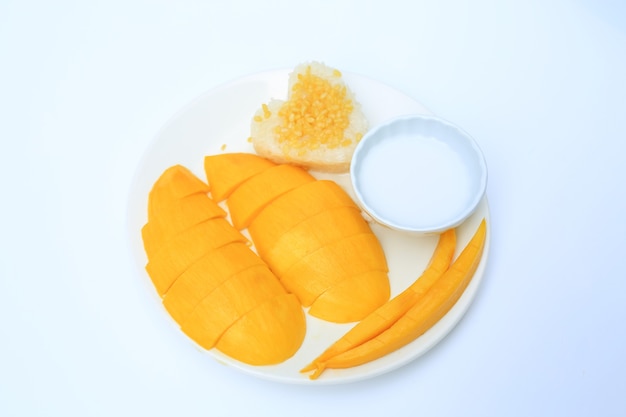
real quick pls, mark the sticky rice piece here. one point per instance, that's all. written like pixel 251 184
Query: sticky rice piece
pixel 317 127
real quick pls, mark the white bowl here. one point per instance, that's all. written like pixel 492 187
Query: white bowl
pixel 418 174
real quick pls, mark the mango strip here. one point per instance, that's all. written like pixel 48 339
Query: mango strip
pixel 431 307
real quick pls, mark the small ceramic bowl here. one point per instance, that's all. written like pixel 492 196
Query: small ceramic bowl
pixel 418 174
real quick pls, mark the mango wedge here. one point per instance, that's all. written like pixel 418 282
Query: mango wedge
pixel 311 234
pixel 387 314
pixel 225 172
pixel 295 206
pixel 175 182
pixel 184 210
pixel 229 301
pixel 248 199
pixel 175 216
pixel 206 274
pixel 434 304
pixel 365 290
pixel 268 334
pixel 333 263
pixel 175 256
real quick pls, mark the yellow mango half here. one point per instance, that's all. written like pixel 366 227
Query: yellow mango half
pixel 176 255
pixel 175 216
pixel 249 198
pixel 308 236
pixel 206 274
pixel 229 301
pixel 366 292
pixel 332 264
pixel 227 171
pixel 269 334
pixel 210 279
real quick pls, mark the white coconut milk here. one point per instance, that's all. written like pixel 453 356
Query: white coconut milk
pixel 414 181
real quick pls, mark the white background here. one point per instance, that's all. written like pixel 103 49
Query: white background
pixel 85 86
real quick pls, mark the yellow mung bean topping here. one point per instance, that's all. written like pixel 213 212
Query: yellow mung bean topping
pixel 317 113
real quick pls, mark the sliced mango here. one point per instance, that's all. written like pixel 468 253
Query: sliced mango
pixel 175 216
pixel 211 280
pixel 366 291
pixel 309 232
pixel 175 182
pixel 297 205
pixel 308 236
pixel 248 199
pixel 201 278
pixel 313 237
pixel 229 301
pixel 333 263
pixel 187 209
pixel 176 255
pixel 268 334
pixel 227 171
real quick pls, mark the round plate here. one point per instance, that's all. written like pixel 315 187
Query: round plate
pixel 219 121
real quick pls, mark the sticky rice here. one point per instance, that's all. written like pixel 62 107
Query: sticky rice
pixel 317 126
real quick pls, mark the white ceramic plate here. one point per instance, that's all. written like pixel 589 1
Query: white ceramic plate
pixel 222 117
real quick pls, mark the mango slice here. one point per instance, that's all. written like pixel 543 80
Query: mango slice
pixel 175 182
pixel 225 172
pixel 367 291
pixel 248 199
pixel 188 209
pixel 268 334
pixel 176 255
pixel 206 274
pixel 175 216
pixel 308 236
pixel 334 263
pixel 297 205
pixel 229 301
